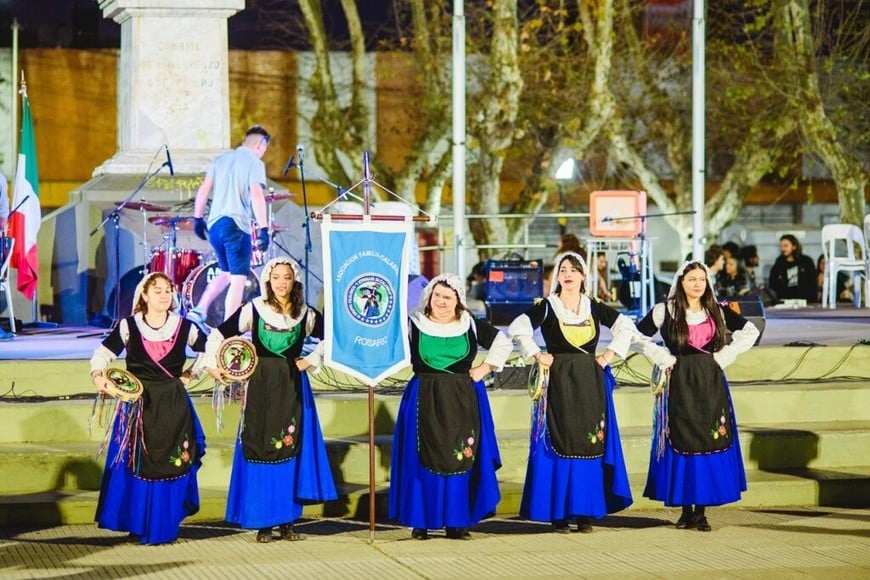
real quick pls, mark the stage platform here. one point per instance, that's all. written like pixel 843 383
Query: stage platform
pixel 802 400
pixel 796 344
pixel 843 326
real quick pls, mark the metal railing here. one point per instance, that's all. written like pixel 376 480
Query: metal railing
pixel 446 248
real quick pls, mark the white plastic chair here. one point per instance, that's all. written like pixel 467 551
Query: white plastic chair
pixel 839 243
pixel 867 259
pixel 6 247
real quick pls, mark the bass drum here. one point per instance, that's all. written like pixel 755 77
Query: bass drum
pixel 196 283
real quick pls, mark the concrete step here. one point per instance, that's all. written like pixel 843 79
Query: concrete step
pixel 808 487
pixel 30 467
pixel 52 378
pixel 346 414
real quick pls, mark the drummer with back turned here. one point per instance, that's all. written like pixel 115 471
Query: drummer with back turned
pixel 236 178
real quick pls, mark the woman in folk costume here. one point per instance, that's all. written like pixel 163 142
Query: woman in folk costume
pixel 280 460
pixel 445 453
pixel 576 469
pixel 156 447
pixel 695 458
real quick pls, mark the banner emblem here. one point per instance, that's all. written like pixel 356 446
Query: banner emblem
pixel 371 299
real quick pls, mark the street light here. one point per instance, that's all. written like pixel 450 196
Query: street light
pixel 564 174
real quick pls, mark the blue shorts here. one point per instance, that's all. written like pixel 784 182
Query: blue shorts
pixel 232 247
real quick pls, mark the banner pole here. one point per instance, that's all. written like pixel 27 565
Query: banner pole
pixel 371 463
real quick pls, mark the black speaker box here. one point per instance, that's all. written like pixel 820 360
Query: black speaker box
pixel 748 306
pixel 752 309
pixel 511 288
pixel 514 280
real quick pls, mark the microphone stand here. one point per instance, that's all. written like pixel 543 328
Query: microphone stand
pixel 307 224
pixel 645 271
pixel 115 217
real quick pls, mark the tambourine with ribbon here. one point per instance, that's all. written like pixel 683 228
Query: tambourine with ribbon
pixel 123 385
pixel 237 357
pixel 658 380
pixel 539 379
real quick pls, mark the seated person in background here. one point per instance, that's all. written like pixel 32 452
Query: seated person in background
pixel 570 243
pixel 476 282
pixel 730 249
pixel 748 255
pixel 714 258
pixel 844 294
pixel 603 286
pixel 548 275
pixel 793 274
pixel 732 280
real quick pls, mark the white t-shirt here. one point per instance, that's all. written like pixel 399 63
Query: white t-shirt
pixel 232 174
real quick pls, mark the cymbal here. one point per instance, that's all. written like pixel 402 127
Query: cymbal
pixel 270 197
pixel 143 205
pixel 179 222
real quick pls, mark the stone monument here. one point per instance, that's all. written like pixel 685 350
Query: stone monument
pixel 173 82
pixel 173 99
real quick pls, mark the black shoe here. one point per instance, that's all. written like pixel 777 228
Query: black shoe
pixel 458 534
pixel 264 536
pixel 561 527
pixel 420 534
pixel 584 525
pixel 288 533
pixel 700 522
pixel 686 521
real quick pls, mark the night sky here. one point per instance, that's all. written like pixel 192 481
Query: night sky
pixel 263 25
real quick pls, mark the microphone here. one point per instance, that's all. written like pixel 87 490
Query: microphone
pixel 169 161
pixel 291 163
pixel 300 150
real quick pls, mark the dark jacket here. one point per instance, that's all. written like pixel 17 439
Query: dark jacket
pixel 736 286
pixel 794 279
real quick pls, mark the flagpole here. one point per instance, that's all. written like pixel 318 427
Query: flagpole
pixel 372 463
pixel 366 216
pixel 33 180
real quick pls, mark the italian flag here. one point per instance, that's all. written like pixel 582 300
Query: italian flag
pixel 25 220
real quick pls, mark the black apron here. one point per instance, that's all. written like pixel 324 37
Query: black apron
pixel 699 411
pixel 448 422
pixel 168 446
pixel 576 406
pixel 272 419
pixel 167 425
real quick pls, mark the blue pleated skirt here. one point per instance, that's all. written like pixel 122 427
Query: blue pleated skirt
pixel 263 495
pixel 562 488
pixel 706 479
pixel 152 510
pixel 420 498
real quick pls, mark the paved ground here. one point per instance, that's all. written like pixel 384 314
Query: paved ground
pixel 769 544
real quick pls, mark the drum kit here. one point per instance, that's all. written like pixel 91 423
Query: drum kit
pixel 190 270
